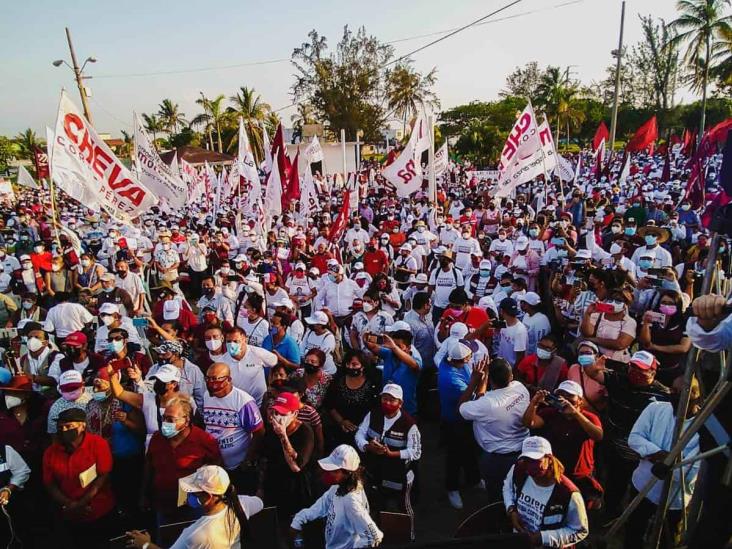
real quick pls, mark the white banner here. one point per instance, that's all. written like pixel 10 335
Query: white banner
pixel 273 197
pixel 267 162
pixel 564 169
pixel 86 168
pixel 483 174
pixel 155 174
pixel 314 152
pixel 308 197
pixel 26 179
pixel 6 190
pixel 441 160
pixel 353 188
pixel 405 173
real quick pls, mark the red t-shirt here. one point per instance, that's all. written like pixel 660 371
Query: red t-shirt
pixel 320 261
pixel 375 262
pixel 531 370
pixel 170 464
pixel 64 469
pixel 570 443
pixel 474 318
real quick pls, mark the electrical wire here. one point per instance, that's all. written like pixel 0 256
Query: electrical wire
pixel 201 69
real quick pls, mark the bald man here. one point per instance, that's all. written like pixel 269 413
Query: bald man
pixel 232 417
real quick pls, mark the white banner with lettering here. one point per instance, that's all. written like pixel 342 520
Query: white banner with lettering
pixel 405 173
pixel 84 166
pixel 155 174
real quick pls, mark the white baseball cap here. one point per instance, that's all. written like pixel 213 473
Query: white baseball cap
pixel 70 380
pixel 167 373
pixel 458 351
pixel 583 254
pixel 398 326
pixel 419 278
pixel 394 390
pixel 211 479
pixel 532 298
pixel 318 317
pixel 459 330
pixel 171 309
pixel 535 447
pixel 571 388
pixel 108 309
pixel 342 457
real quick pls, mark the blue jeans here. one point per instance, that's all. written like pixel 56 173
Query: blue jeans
pixel 494 468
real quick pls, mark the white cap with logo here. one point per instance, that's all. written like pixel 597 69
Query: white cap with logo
pixel 535 447
pixel 211 479
pixel 342 457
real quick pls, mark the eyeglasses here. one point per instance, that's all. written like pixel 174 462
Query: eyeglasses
pixel 219 378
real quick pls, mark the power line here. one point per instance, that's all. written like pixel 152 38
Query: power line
pixel 202 69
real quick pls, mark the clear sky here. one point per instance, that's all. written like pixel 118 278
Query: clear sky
pixel 136 37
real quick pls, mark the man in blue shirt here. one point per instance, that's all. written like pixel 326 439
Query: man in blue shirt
pixel 280 343
pixel 402 362
pixel 453 378
pixel 689 219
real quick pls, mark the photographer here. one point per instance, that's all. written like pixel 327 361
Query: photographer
pixel 608 325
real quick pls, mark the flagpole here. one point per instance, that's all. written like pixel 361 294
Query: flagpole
pixel 343 152
pixel 614 120
pixel 432 181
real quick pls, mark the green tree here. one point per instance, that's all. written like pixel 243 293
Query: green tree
pixel 213 118
pixel 700 25
pixel 305 115
pixel 153 125
pixel 523 82
pixel 170 116
pixel 722 59
pixel 126 149
pixel 346 87
pixel 7 153
pixel 407 89
pixel 185 137
pixel 27 142
pixel 656 59
pixel 248 104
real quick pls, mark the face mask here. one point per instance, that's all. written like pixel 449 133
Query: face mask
pixel 617 306
pixel 501 237
pixel 629 231
pixel 168 429
pixel 71 396
pixel 107 319
pixel 34 344
pixel 38 249
pixel 354 372
pixel 650 240
pixel 233 347
pixel 310 369
pixel 159 387
pixel 615 229
pixel 586 360
pixel 668 310
pixel 329 478
pixel 69 436
pixel 192 501
pixel 389 408
pixel 645 264
pixel 12 401
pixel 27 305
pixel 543 354
pixel 637 378
pixel 484 272
pixel 466 236
pixel 166 247
pixel 108 290
pixel 116 346
pixel 85 262
pixel 533 468
pixel 561 253
pixel 215 386
pixel 534 233
pixel 225 270
pixel 213 344
pixel 27 266
pixel 686 207
pixel 368 307
pixel 100 396
pixel 332 277
pixel 122 274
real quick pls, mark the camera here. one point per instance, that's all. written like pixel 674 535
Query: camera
pixel 554 401
pixel 498 324
pixel 375 339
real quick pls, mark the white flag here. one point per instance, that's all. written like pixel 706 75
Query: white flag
pixel 267 164
pixel 174 167
pixel 624 172
pixel 247 168
pixel 314 152
pixel 155 174
pixel 273 198
pixel 87 169
pixel 405 173
pixel 441 160
pixel 308 196
pixel 26 179
pixel 564 169
pixel 353 187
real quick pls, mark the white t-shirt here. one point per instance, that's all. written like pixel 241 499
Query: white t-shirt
pixel 256 331
pixel 247 374
pixel 463 247
pixel 513 339
pixel 300 289
pixel 537 327
pixel 497 416
pixel 444 283
pixel 231 420
pixel 212 531
pixel 325 343
pixel 66 318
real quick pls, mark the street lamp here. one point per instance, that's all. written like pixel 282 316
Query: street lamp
pixel 78 74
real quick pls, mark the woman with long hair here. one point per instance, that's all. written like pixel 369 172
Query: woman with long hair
pixel 225 515
pixel 344 505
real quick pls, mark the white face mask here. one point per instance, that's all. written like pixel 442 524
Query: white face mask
pixel 367 307
pixel 107 319
pixel 85 262
pixel 213 344
pixel 12 401
pixel 34 344
pixel 55 268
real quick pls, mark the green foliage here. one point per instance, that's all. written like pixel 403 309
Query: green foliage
pixel 7 153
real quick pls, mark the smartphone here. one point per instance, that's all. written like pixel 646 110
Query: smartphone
pixel 140 322
pixel 375 339
pixel 657 318
pixel 554 401
pixel 655 282
pixel 498 323
pixel 605 308
pixel 655 271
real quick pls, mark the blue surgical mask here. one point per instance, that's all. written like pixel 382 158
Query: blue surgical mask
pixel 645 264
pixel 332 277
pixel 100 396
pixel 116 346
pixel 629 231
pixel 557 241
pixel 485 272
pixel 586 360
pixel 168 429
pixel 561 253
pixel 108 290
pixel 193 501
pixel 651 240
pixel 233 347
pixel 534 233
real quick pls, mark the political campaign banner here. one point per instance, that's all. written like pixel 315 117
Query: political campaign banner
pixel 84 166
pixel 25 179
pixel 405 173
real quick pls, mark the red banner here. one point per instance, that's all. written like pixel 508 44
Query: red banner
pixel 644 137
pixel 40 159
pixel 600 134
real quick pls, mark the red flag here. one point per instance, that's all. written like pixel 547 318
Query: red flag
pixel 687 148
pixel 674 139
pixel 279 151
pixel 600 134
pixel 644 136
pixel 662 148
pixel 40 159
pixel 666 174
pixel 339 225
pixel 696 184
pixel 600 153
pixel 293 184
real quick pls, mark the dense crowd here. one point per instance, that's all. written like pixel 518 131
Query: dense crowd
pixel 191 367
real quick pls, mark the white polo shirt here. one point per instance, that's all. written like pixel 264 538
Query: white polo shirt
pixel 247 374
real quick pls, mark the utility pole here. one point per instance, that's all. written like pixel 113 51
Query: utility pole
pixel 79 80
pixel 614 121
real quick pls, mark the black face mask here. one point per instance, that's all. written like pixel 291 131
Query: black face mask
pixel 310 369
pixel 354 372
pixel 444 263
pixel 68 437
pixel 209 291
pixel 160 387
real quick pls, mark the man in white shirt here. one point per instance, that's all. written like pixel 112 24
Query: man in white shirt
pixel 537 324
pixel 463 247
pixel 654 237
pixel 514 337
pixel 232 417
pixel 110 317
pixel 336 292
pixel 132 284
pixel 66 317
pixel 497 420
pixel 210 298
pixel 442 282
pixel 356 232
pixel 247 364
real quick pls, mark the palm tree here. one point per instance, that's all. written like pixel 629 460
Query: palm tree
pixel 406 89
pixel 213 117
pixel 27 141
pixel 126 149
pixel 550 91
pixel 570 114
pixel 700 24
pixel 722 59
pixel 170 116
pixel 271 121
pixel 249 105
pixel 154 125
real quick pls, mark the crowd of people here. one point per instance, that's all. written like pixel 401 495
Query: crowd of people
pixel 188 368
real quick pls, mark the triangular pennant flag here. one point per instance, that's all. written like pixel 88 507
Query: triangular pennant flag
pixel 25 178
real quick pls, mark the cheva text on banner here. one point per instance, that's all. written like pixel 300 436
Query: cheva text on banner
pixel 155 174
pixel 84 166
pixel 405 173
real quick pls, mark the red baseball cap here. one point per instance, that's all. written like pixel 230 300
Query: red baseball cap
pixel 286 403
pixel 75 339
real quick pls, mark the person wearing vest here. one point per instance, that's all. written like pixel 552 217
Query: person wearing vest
pixel 37 361
pixel 76 356
pixel 540 501
pixel 390 440
pixel 477 285
pixel 14 473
